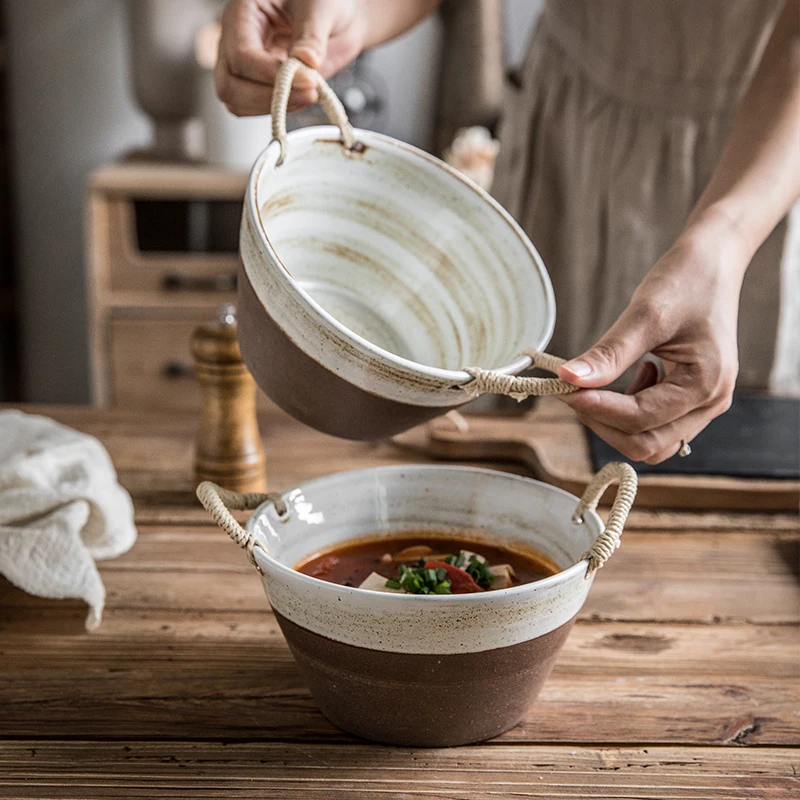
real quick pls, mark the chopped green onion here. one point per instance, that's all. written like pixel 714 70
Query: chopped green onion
pixel 480 572
pixel 418 580
pixel 456 560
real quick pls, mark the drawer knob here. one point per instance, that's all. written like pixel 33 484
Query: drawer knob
pixel 178 369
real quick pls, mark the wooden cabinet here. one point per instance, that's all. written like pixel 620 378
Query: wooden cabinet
pixel 162 257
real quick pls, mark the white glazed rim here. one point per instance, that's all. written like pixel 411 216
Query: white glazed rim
pixel 455 377
pixel 576 570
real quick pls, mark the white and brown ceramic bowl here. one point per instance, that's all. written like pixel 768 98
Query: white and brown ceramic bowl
pixel 370 277
pixel 410 669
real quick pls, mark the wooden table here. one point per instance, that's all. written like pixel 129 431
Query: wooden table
pixel 679 680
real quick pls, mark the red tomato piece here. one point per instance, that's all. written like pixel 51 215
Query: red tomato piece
pixel 461 582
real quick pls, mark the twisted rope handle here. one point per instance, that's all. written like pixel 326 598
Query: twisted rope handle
pixel 217 501
pixel 486 381
pixel 608 541
pixel 331 105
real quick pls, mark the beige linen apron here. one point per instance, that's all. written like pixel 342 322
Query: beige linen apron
pixel 619 117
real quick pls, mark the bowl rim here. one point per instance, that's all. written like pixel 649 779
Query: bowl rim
pixel 382 141
pixel 562 576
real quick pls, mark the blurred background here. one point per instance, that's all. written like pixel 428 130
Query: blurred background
pixel 122 176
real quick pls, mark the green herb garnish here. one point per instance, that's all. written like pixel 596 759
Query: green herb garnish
pixel 477 569
pixel 458 560
pixel 418 580
pixel 480 572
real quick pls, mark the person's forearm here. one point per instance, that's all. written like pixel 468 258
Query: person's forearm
pixel 389 18
pixel 758 176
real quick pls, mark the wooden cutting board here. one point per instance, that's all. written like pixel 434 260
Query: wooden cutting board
pixel 553 445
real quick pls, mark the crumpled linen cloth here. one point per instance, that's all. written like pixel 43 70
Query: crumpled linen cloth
pixel 61 509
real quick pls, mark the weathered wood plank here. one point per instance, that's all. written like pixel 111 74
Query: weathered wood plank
pixel 707 577
pixel 642 519
pixel 609 648
pixel 145 700
pixel 39 769
pixel 687 577
pixel 213 674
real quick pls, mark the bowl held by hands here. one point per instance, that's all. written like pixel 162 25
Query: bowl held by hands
pixel 372 273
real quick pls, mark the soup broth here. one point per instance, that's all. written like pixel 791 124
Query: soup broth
pixel 427 562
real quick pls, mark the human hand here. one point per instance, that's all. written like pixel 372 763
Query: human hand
pixel 259 35
pixel 685 311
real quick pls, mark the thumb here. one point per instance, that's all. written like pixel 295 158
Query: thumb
pixel 313 25
pixel 628 339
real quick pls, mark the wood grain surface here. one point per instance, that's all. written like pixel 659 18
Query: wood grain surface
pixel 338 772
pixel 681 678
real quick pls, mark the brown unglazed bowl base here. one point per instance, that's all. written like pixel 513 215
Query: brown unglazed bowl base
pixel 419 700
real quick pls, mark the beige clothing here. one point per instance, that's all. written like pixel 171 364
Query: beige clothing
pixel 619 118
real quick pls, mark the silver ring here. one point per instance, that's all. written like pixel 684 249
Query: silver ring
pixel 684 450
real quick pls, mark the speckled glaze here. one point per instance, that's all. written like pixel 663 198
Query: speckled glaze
pixel 412 654
pixel 380 273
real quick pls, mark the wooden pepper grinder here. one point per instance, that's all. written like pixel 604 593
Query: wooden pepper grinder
pixel 229 448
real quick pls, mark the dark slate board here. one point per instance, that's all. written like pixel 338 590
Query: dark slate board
pixel 759 437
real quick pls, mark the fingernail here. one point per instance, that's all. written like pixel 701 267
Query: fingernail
pixel 580 369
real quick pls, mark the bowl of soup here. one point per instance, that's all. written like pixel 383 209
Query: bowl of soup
pixel 425 605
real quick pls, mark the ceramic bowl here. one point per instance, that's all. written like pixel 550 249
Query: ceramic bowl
pixel 369 278
pixel 415 670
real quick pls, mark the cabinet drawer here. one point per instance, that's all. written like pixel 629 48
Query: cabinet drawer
pixel 169 269
pixel 151 364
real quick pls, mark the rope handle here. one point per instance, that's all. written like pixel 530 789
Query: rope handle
pixel 486 381
pixel 331 105
pixel 218 502
pixel 609 540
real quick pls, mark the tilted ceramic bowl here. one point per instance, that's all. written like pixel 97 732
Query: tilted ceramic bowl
pixel 371 274
pixel 426 670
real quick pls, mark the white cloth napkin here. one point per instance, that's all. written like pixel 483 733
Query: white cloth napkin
pixel 61 509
